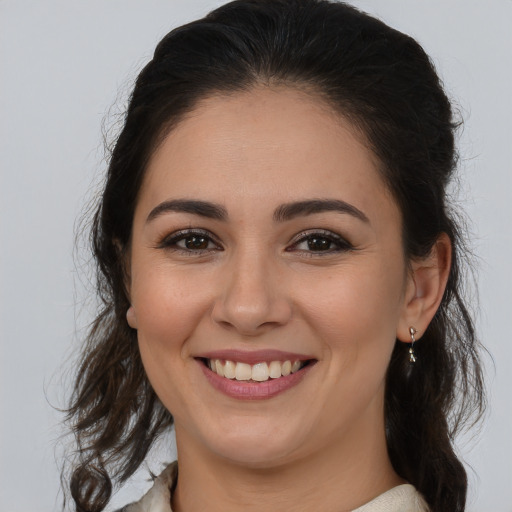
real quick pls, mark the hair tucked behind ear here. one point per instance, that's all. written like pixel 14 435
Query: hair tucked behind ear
pixel 381 81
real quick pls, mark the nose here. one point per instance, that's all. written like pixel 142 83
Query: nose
pixel 252 297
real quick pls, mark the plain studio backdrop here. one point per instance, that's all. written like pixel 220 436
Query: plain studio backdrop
pixel 63 65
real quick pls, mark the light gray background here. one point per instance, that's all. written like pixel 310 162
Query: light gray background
pixel 62 65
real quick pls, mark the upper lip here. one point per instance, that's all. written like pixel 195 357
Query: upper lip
pixel 254 356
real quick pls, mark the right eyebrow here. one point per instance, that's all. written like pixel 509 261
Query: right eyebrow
pixel 201 208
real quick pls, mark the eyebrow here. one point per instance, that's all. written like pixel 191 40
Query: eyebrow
pixel 282 213
pixel 201 208
pixel 291 210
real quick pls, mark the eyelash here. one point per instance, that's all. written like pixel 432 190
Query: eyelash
pixel 171 242
pixel 306 236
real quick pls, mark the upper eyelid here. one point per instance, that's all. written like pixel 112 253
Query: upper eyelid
pixel 327 233
pixel 183 233
pixel 189 231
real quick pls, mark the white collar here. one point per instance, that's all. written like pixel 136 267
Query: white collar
pixel 403 498
pixel 158 498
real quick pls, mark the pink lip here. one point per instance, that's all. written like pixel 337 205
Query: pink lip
pixel 254 356
pixel 249 390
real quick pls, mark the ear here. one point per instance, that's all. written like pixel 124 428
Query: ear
pixel 425 287
pixel 131 317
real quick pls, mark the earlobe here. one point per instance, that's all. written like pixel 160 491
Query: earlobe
pixel 131 318
pixel 425 289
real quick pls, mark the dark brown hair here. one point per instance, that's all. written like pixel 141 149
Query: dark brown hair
pixel 384 83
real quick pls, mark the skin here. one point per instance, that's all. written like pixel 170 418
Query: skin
pixel 258 285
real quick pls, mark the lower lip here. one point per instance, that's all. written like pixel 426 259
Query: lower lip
pixel 249 390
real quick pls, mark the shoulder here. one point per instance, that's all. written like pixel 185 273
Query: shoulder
pixel 158 498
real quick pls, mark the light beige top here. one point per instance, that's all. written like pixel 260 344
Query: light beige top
pixel 403 498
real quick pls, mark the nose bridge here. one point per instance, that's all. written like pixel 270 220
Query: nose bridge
pixel 251 297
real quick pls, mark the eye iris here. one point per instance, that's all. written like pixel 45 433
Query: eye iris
pixel 319 244
pixel 196 242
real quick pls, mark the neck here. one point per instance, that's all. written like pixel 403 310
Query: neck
pixel 344 475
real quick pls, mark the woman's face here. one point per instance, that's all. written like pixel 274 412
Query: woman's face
pixel 263 234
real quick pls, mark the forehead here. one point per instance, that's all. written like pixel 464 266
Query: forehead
pixel 266 143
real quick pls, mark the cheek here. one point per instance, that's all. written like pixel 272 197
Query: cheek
pixel 356 322
pixel 356 314
pixel 168 311
pixel 166 302
pixel 357 294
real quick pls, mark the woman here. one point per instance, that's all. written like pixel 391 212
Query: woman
pixel 272 241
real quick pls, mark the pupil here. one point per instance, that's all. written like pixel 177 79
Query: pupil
pixel 319 244
pixel 196 242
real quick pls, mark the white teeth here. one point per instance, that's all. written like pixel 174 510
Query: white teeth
pixel 295 366
pixel 229 369
pixel 275 369
pixel 218 368
pixel 243 371
pixel 259 372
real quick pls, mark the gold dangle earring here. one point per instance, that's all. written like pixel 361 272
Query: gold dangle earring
pixel 412 355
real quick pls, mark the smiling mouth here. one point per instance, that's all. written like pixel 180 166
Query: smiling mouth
pixel 259 372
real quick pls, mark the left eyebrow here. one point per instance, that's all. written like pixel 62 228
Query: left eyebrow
pixel 289 211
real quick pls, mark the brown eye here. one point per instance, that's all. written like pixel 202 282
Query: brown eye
pixel 196 243
pixel 317 243
pixel 190 242
pixel 320 241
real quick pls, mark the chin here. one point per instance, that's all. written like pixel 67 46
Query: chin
pixel 255 455
pixel 255 447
